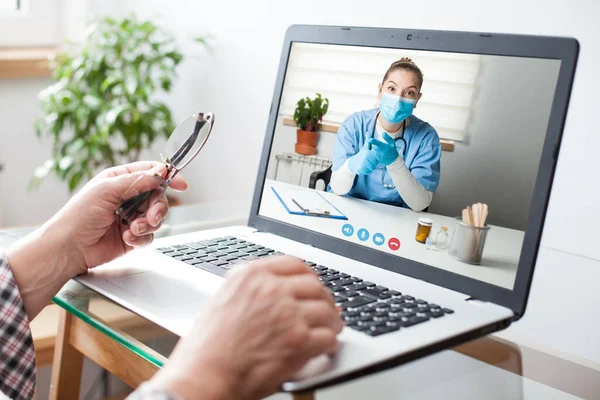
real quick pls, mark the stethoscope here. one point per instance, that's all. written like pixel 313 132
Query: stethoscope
pixel 385 185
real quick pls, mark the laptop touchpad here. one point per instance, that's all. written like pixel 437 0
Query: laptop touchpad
pixel 159 289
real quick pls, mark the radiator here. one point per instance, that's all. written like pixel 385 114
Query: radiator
pixel 296 168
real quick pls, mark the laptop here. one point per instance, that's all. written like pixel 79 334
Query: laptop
pixel 490 118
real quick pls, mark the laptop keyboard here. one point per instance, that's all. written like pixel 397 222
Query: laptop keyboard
pixel 366 307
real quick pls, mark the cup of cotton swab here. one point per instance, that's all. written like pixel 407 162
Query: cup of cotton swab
pixel 470 232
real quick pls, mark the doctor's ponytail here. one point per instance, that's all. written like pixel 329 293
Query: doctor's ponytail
pixel 406 64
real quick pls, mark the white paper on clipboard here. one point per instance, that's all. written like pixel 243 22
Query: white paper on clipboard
pixel 300 200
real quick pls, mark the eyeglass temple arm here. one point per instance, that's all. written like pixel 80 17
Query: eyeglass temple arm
pixel 187 145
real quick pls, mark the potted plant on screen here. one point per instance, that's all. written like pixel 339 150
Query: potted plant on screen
pixel 105 106
pixel 308 117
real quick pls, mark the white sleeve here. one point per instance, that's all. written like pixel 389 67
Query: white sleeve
pixel 342 180
pixel 413 193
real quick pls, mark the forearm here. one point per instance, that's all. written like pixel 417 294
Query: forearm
pixel 342 180
pixel 41 265
pixel 413 193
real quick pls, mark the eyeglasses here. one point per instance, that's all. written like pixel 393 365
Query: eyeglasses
pixel 184 144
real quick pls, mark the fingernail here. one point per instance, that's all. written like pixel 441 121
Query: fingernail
pixel 141 228
pixel 159 217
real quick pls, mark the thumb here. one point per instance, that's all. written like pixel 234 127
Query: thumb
pixel 128 185
pixel 388 138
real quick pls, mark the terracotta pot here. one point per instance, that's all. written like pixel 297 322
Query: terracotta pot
pixel 306 142
pixel 305 150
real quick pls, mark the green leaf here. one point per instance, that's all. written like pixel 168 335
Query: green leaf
pixel 75 180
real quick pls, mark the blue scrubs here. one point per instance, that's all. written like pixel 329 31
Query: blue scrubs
pixel 422 157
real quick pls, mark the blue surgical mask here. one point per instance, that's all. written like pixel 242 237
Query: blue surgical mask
pixel 395 108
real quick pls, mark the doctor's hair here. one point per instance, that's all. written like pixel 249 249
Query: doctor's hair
pixel 405 63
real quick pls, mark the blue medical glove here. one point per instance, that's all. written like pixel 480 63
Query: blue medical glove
pixel 365 161
pixel 387 152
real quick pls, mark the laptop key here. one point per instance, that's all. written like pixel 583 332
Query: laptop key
pixel 339 299
pixel 343 282
pixel 166 249
pixel 328 278
pixel 447 311
pixel 360 328
pixel 356 286
pixel 380 330
pixel 358 301
pixel 401 314
pixel 336 289
pixel 218 263
pixel 196 246
pixel 375 293
pixel 211 268
pixel 183 258
pixel 410 321
pixel 208 258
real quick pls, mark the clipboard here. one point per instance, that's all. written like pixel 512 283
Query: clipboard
pixel 307 202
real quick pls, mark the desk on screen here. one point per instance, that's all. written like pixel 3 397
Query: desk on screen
pixel 500 256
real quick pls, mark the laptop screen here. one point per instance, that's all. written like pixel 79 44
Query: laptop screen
pixel 427 156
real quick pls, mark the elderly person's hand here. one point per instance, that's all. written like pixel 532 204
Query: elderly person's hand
pixel 86 232
pixel 89 217
pixel 269 318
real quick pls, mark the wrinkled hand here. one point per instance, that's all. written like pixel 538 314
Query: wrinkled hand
pixel 387 152
pixel 265 323
pixel 365 161
pixel 93 233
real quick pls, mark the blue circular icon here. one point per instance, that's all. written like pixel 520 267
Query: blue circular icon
pixel 348 230
pixel 378 239
pixel 363 234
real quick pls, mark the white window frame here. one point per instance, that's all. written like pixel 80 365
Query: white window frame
pixel 38 23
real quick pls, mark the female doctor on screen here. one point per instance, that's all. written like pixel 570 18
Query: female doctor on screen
pixel 387 154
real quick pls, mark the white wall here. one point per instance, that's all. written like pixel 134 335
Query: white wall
pixel 236 82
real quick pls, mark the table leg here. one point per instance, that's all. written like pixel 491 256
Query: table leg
pixel 67 364
pixel 303 396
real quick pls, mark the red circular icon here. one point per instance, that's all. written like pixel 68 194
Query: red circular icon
pixel 394 244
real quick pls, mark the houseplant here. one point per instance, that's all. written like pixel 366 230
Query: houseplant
pixel 308 117
pixel 104 108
